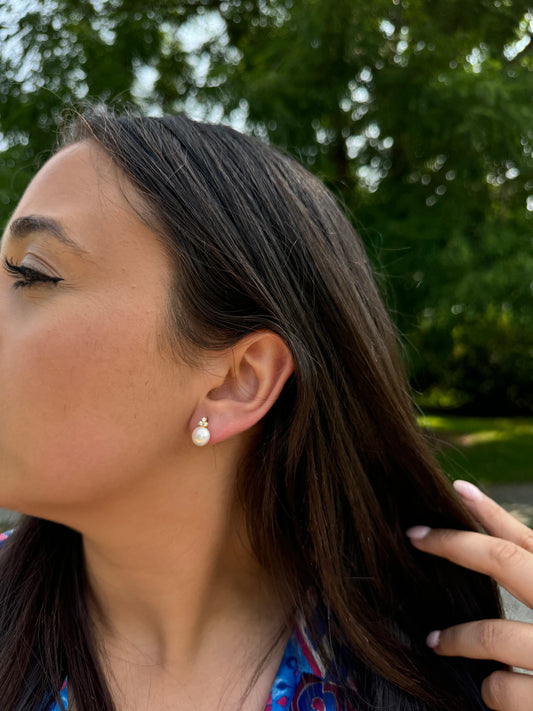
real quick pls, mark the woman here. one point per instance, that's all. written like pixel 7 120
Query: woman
pixel 206 424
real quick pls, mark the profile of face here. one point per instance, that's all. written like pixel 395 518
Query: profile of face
pixel 87 400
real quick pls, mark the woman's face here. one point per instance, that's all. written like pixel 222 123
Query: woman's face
pixel 87 402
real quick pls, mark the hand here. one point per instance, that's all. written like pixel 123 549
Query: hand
pixel 507 556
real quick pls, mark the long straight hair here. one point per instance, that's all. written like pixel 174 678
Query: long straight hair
pixel 340 468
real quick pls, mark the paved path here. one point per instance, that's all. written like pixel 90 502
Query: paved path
pixel 517 498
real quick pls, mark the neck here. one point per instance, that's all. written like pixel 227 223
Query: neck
pixel 172 582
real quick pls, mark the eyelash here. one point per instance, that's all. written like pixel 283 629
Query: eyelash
pixel 31 276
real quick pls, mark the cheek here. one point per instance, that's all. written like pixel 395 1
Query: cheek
pixel 87 404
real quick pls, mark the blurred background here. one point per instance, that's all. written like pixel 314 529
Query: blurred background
pixel 418 114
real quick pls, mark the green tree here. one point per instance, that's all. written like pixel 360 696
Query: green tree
pixel 418 114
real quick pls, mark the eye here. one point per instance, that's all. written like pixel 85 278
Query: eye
pixel 31 276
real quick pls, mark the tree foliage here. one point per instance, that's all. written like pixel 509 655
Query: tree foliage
pixel 417 113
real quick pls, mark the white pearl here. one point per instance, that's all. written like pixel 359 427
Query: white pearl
pixel 200 436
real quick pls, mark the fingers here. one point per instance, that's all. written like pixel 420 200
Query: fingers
pixel 495 520
pixel 506 641
pixel 503 640
pixel 507 556
pixel 509 564
pixel 508 691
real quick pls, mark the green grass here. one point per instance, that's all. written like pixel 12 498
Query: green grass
pixel 485 450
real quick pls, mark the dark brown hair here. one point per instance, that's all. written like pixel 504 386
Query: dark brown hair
pixel 340 469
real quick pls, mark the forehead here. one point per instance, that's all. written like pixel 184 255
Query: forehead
pixel 74 176
pixel 82 189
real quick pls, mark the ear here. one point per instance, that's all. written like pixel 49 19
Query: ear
pixel 255 371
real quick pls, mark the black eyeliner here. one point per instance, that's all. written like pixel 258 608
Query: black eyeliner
pixel 32 275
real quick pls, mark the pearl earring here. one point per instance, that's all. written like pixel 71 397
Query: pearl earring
pixel 200 434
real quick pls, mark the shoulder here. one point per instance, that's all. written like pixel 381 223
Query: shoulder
pixel 314 691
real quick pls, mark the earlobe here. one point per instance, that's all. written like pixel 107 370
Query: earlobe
pixel 257 369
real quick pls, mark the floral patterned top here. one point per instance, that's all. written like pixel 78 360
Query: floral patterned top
pixel 300 683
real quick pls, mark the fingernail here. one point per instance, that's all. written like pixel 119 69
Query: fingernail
pixel 433 639
pixel 416 533
pixel 467 490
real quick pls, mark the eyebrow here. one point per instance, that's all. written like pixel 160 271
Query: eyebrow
pixel 21 227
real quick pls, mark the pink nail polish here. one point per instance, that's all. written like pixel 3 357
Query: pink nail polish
pixel 467 490
pixel 433 639
pixel 416 533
